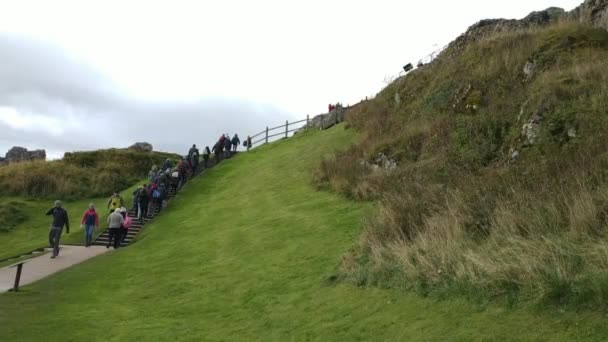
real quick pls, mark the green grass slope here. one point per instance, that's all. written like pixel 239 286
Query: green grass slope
pixel 245 253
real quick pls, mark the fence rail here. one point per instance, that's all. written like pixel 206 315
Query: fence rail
pixel 271 132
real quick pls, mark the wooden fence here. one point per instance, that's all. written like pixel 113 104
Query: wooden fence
pixel 281 131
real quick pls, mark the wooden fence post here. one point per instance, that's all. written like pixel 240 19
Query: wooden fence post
pixel 18 276
pixel 286 128
pixel 266 134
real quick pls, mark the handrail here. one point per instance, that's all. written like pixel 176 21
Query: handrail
pixel 301 125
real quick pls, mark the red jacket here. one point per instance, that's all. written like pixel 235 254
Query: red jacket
pixel 88 217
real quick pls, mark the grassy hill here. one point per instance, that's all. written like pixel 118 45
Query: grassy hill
pixel 250 252
pixel 490 166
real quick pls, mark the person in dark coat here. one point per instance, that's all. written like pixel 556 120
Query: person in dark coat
pixel 227 147
pixel 60 219
pixel 206 153
pixel 144 202
pixel 235 142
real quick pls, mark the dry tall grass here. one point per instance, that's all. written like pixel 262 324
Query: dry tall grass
pixel 460 213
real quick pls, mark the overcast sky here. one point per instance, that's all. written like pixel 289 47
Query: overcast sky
pixel 79 75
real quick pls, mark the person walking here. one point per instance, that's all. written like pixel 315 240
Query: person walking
pixel 115 201
pixel 248 142
pixel 206 153
pixel 136 194
pixel 227 147
pixel 125 226
pixel 217 151
pixel 194 160
pixel 144 202
pixel 167 164
pixel 235 142
pixel 115 222
pixel 90 221
pixel 60 219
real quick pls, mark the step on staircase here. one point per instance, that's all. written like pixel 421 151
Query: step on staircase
pixel 136 225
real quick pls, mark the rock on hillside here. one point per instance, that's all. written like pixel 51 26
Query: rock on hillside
pixel 142 147
pixel 594 12
pixel 18 154
pixel 487 27
pixel 324 121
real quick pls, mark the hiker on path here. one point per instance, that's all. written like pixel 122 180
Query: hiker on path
pixel 194 160
pixel 125 226
pixel 174 180
pixel 248 142
pixel 136 195
pixel 115 201
pixel 206 153
pixel 235 142
pixel 60 219
pixel 167 164
pixel 90 221
pixel 115 222
pixel 192 150
pixel 217 151
pixel 227 147
pixel 144 202
pixel 153 173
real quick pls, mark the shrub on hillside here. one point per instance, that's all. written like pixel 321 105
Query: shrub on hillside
pixel 79 174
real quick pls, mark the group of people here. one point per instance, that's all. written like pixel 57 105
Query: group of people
pixel 225 146
pixel 147 198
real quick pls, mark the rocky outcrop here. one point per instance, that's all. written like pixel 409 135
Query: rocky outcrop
pixel 19 154
pixel 324 121
pixel 594 12
pixel 142 147
pixel 485 28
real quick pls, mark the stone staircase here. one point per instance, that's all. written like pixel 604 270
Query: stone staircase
pixel 136 225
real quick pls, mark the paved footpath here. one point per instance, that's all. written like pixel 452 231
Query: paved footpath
pixel 43 266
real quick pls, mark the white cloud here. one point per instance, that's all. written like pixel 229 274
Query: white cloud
pixel 211 66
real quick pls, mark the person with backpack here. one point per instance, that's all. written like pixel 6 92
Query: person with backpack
pixel 167 164
pixel 115 222
pixel 227 147
pixel 60 219
pixel 206 153
pixel 248 142
pixel 90 221
pixel 115 201
pixel 235 142
pixel 125 226
pixel 136 194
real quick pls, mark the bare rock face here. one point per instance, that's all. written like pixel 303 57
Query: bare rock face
pixel 594 12
pixel 19 154
pixel 142 147
pixel 324 121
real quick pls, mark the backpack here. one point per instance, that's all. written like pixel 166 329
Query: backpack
pixel 127 223
pixel 156 194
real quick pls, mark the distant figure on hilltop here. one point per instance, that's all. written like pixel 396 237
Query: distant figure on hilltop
pixel 90 221
pixel 217 150
pixel 235 142
pixel 60 219
pixel 248 142
pixel 206 153
pixel 227 146
pixel 115 201
pixel 192 150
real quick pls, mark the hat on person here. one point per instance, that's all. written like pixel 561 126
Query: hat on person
pixel 58 203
